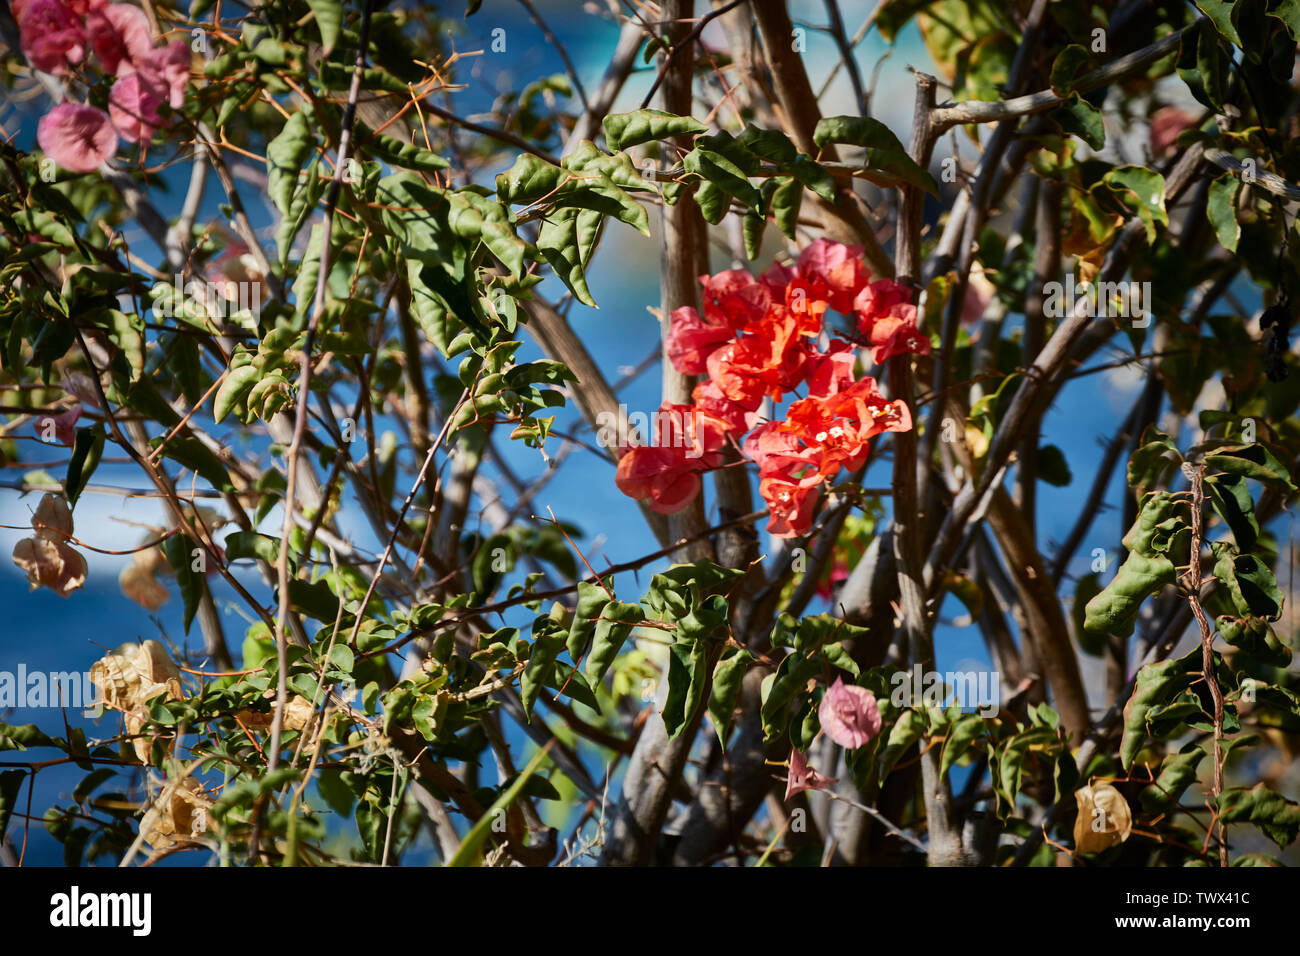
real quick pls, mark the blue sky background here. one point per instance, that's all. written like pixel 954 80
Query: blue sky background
pixel 46 632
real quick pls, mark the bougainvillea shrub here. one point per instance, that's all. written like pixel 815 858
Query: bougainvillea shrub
pixel 625 434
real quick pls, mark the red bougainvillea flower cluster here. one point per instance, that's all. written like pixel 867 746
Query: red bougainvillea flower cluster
pixel 759 338
pixel 58 35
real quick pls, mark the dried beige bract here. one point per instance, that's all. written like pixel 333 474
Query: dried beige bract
pixel 179 818
pixel 47 557
pixel 1104 818
pixel 129 678
pixel 298 715
pixel 139 579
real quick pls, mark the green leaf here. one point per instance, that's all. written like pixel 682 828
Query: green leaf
pixel 548 641
pixel 687 677
pixel 617 168
pixel 724 174
pixel 1147 189
pixel 1221 209
pixel 617 621
pixel 284 157
pixel 591 602
pixel 86 452
pixel 329 18
pixel 1052 467
pixel 1156 684
pixel 1077 117
pixel 1066 67
pixel 1152 461
pixel 469 853
pixel 1220 14
pixel 906 731
pixel 1252 461
pixel 1288 11
pixel 1177 773
pixel 399 153
pixel 1254 636
pixel 1212 67
pixel 1277 817
pixel 1231 499
pixel 233 389
pixel 1090 642
pixel 780 688
pixel 623 130
pixel 11 782
pixel 1250 584
pixel 178 551
pixel 961 735
pixel 728 678
pixel 886 162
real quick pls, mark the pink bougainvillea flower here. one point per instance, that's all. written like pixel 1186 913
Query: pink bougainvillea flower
pixel 790 503
pixel 849 714
pixel 666 474
pixel 836 429
pixel 51 35
pixel 838 268
pixel 878 298
pixel 133 106
pixel 803 777
pixel 837 574
pixel 833 273
pixel 169 69
pixel 734 298
pixel 77 137
pixel 59 429
pixel 691 341
pixel 120 36
pixel 831 371
pixel 1167 124
pixel 776 450
pixel 78 7
pixel 734 419
pixel 699 436
pixel 661 477
pixel 894 333
pixel 979 293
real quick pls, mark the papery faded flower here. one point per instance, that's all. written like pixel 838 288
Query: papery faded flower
pixel 849 714
pixel 77 137
pixel 139 579
pixel 120 36
pixel 81 387
pixel 51 35
pixel 803 777
pixel 179 814
pixel 135 673
pixel 1104 818
pixel 59 428
pixel 299 714
pixel 47 557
